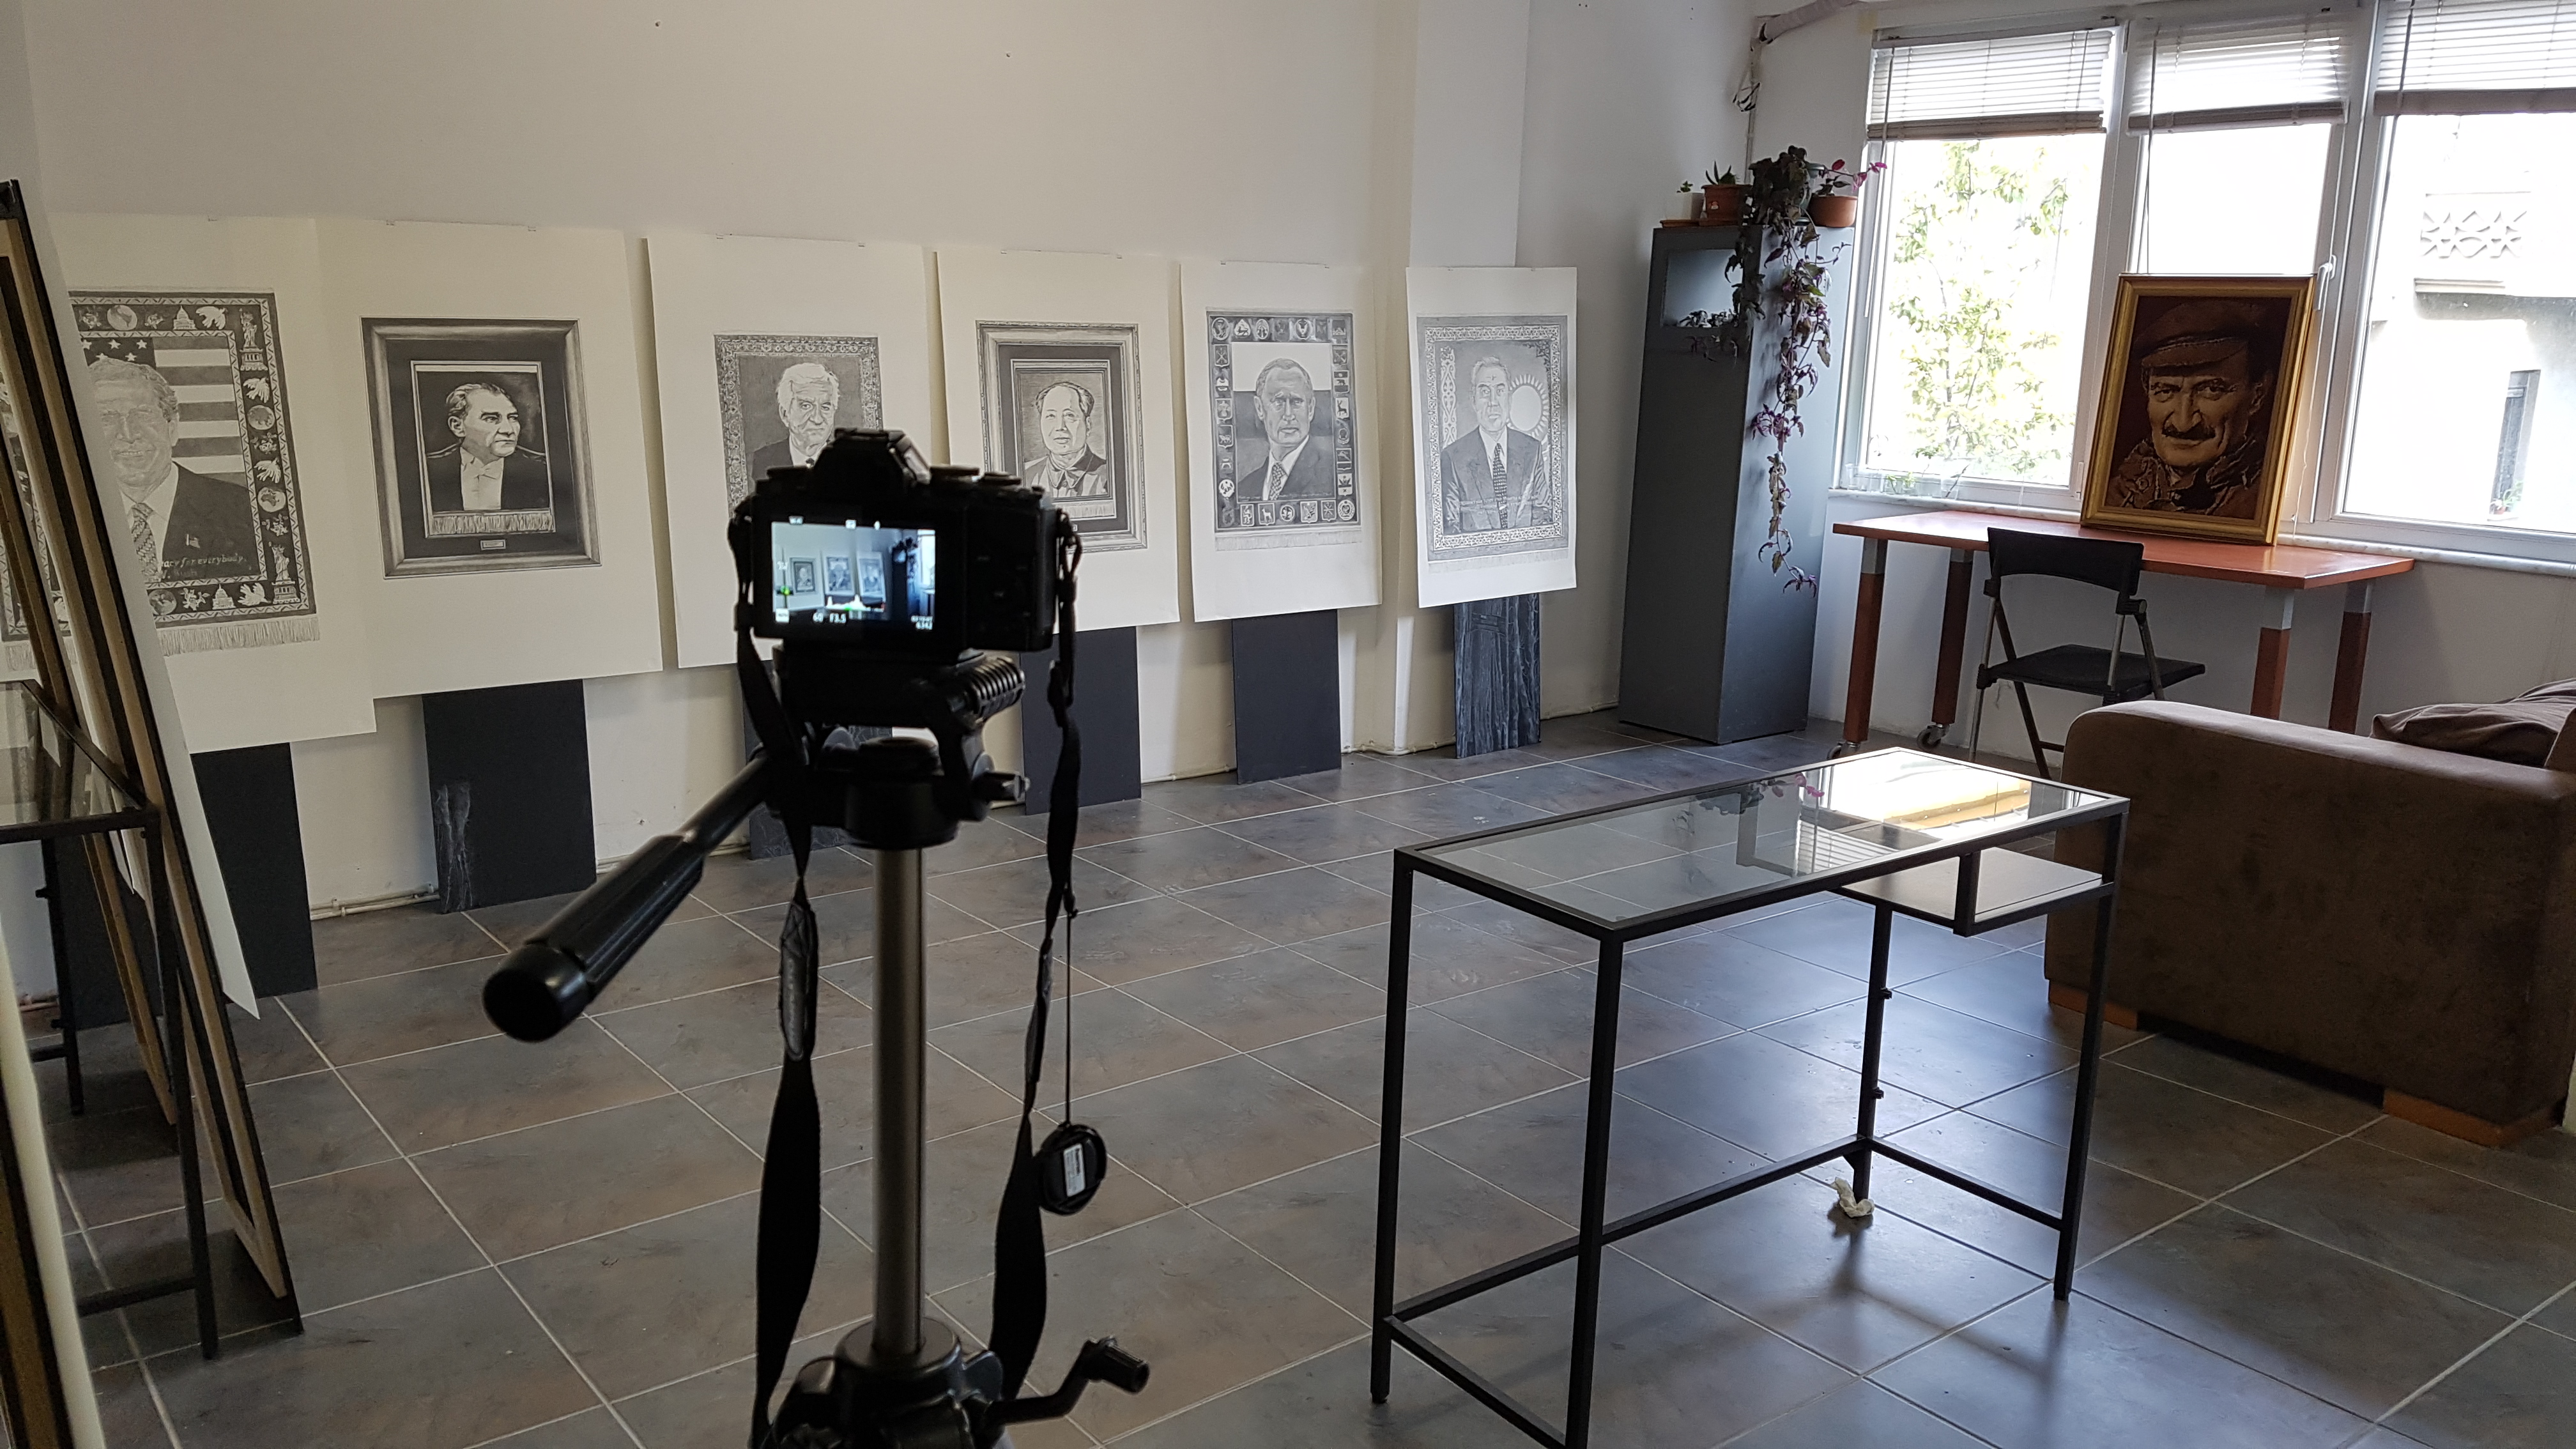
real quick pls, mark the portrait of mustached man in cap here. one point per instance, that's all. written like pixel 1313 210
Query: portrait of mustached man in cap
pixel 2208 370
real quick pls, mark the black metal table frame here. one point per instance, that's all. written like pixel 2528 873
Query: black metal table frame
pixel 178 1014
pixel 1391 1321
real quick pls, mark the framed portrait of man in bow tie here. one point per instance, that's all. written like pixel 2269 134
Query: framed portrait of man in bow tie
pixel 481 461
pixel 1279 392
pixel 1062 410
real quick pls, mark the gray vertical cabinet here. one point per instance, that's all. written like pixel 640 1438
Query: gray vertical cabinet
pixel 1714 647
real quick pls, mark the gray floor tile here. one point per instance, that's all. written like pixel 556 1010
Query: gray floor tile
pixel 1320 1223
pixel 1120 820
pixel 452 1094
pixel 308 1125
pixel 2118 1205
pixel 845 1087
pixel 740 883
pixel 1859 1415
pixel 1442 811
pixel 1720 974
pixel 1313 1406
pixel 1181 860
pixel 2159 1129
pixel 1015 894
pixel 269 1045
pixel 2542 1165
pixel 1130 942
pixel 359 1021
pixel 1199 1306
pixel 643 1160
pixel 1210 799
pixel 669 1298
pixel 1534 1150
pixel 1772 1098
pixel 2255 1086
pixel 1563 788
pixel 1292 906
pixel 963 1176
pixel 1450 1070
pixel 2519 1394
pixel 2082 1375
pixel 1222 1125
pixel 402 938
pixel 366 1231
pixel 2350 1333
pixel 2500 1248
pixel 1950 1057
pixel 1529 932
pixel 1324 834
pixel 1263 999
pixel 2011 990
pixel 1443 958
pixel 962 979
pixel 589 1429
pixel 1674 1368
pixel 1550 1017
pixel 1359 777
pixel 1859 1293
pixel 1117 1039
pixel 472 1363
pixel 707 1038
pixel 1835 933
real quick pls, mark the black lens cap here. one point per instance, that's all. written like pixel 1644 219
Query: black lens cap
pixel 1071 1163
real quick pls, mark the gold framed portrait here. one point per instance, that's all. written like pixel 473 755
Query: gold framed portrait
pixel 2201 381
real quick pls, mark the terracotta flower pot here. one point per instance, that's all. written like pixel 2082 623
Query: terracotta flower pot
pixel 1721 206
pixel 1834 213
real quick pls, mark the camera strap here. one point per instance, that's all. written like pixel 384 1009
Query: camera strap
pixel 791 1171
pixel 1019 1234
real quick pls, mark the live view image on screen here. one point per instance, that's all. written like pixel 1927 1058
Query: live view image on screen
pixel 848 573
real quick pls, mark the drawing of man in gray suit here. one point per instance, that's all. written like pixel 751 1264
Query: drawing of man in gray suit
pixel 1494 477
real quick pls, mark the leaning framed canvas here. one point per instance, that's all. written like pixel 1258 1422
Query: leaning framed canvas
pixel 2192 427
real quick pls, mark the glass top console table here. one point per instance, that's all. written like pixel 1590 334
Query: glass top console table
pixel 1898 830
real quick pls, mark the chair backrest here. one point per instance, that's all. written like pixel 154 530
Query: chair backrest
pixel 2106 563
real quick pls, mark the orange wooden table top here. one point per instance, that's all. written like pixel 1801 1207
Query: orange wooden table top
pixel 2278 566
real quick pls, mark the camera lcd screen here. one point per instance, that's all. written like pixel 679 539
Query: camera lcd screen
pixel 850 574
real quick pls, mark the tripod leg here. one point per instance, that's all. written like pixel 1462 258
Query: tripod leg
pixel 900 1048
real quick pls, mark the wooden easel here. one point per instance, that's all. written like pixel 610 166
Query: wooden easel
pixel 89 659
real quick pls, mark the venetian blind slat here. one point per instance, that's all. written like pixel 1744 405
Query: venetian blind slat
pixel 2453 57
pixel 2275 71
pixel 2000 86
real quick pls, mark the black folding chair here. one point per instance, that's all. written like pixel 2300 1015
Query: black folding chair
pixel 2107 674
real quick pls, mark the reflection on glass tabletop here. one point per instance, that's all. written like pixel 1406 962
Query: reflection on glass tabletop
pixel 48 779
pixel 1621 864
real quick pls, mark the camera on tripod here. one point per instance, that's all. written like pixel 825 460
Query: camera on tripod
pixel 881 578
pixel 878 575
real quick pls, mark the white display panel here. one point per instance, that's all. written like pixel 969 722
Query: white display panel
pixel 763 346
pixel 228 316
pixel 1060 370
pixel 1492 355
pixel 1280 372
pixel 525 573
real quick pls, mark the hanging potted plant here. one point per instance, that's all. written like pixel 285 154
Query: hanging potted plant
pixel 1723 203
pixel 1682 207
pixel 1836 204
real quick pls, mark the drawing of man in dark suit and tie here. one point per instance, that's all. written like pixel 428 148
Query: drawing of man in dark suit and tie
pixel 1495 476
pixel 1285 462
pixel 185 526
pixel 486 470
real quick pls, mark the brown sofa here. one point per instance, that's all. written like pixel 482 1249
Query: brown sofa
pixel 2401 915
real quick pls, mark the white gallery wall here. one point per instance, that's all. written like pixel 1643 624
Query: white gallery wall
pixel 1431 133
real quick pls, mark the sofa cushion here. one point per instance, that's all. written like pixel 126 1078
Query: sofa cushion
pixel 2520 731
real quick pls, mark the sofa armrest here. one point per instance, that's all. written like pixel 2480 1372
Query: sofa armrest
pixel 2399 914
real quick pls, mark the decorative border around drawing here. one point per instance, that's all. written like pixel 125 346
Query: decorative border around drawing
pixel 731 348
pixel 1436 390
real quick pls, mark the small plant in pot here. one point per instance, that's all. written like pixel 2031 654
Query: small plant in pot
pixel 1724 203
pixel 1683 205
pixel 1835 203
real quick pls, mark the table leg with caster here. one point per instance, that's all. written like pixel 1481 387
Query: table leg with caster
pixel 1864 658
pixel 1954 646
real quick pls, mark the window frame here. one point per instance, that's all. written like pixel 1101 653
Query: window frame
pixel 2349 225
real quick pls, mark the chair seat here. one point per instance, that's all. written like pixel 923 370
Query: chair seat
pixel 2081 668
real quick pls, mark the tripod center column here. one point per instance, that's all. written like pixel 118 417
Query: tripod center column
pixel 900 1049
